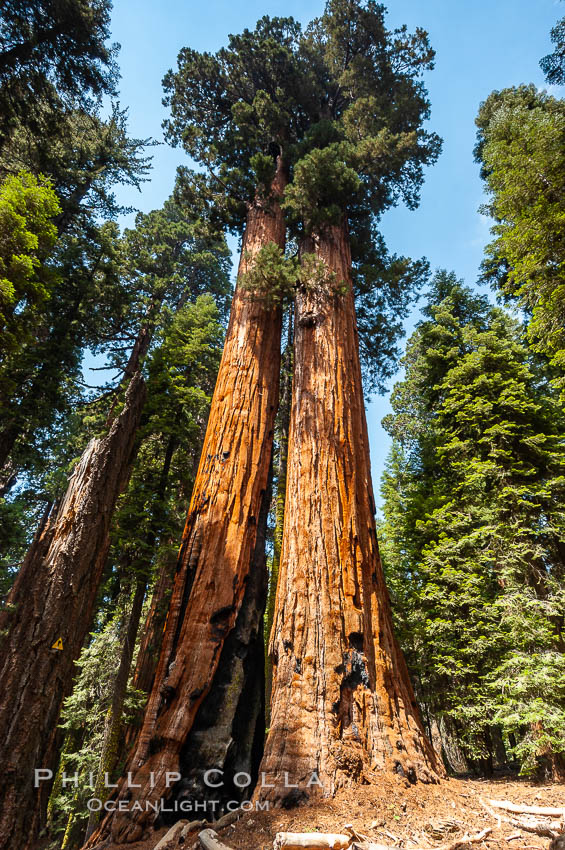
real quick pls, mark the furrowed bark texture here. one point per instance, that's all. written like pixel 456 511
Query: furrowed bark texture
pixel 228 732
pixel 219 538
pixel 52 598
pixel 342 706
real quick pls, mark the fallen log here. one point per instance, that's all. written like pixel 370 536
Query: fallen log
pixel 547 830
pixel 453 845
pixel 527 810
pixel 170 838
pixel 311 841
pixel 209 840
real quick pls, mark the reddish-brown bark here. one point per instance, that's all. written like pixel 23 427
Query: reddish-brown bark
pixel 228 731
pixel 342 708
pixel 218 543
pixel 52 598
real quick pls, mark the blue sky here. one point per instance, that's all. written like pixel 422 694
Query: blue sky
pixel 480 46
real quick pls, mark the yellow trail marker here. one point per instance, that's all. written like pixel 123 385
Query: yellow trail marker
pixel 58 644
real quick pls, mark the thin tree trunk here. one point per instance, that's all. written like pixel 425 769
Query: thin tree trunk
pixel 52 600
pixel 161 592
pixel 218 543
pixel 150 643
pixel 15 419
pixel 283 427
pixel 113 728
pixel 343 709
pixel 8 477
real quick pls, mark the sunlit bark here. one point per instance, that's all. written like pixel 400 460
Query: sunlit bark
pixel 342 709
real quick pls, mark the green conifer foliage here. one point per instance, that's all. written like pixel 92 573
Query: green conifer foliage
pixel 27 235
pixel 236 110
pixel 521 143
pixel 473 530
pixel 53 51
pixel 364 151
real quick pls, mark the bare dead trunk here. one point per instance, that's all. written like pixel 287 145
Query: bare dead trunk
pixel 218 543
pixel 47 617
pixel 343 709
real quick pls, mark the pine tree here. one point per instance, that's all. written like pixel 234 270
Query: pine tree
pixel 54 52
pixel 520 149
pixel 472 531
pixel 27 235
pixel 41 379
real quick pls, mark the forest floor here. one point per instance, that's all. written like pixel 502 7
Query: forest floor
pixel 400 815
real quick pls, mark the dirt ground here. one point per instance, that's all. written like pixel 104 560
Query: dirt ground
pixel 400 815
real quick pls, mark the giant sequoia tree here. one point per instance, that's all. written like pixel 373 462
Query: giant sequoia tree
pixel 236 112
pixel 342 705
pixel 323 108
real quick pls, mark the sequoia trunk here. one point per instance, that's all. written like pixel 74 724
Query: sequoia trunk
pixel 342 707
pixel 228 732
pixel 47 617
pixel 219 539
